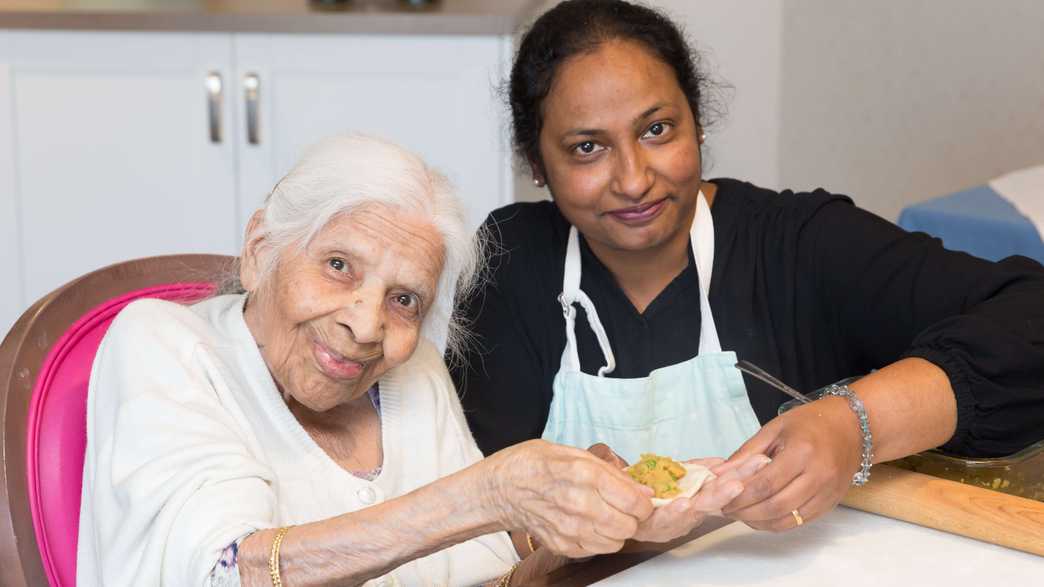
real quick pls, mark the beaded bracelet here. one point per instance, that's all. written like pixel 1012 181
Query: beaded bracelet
pixel 273 557
pixel 864 426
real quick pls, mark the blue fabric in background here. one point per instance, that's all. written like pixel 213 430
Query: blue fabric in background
pixel 977 221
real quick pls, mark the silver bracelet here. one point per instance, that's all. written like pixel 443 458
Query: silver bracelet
pixel 864 426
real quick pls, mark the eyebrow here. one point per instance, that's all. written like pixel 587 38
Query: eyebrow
pixel 651 111
pixel 587 132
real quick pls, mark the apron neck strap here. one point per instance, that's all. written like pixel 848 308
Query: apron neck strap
pixel 572 294
pixel 571 276
pixel 701 235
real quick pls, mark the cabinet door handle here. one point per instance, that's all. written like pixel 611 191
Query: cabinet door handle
pixel 251 90
pixel 213 85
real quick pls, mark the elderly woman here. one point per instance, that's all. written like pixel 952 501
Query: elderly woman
pixel 619 308
pixel 306 432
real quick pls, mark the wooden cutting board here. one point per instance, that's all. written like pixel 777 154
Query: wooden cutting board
pixel 978 513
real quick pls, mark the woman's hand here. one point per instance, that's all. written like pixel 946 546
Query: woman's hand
pixel 569 500
pixel 815 450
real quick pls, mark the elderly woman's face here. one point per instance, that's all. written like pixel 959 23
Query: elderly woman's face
pixel 620 147
pixel 338 314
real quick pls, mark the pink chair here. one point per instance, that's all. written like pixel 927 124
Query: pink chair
pixel 45 364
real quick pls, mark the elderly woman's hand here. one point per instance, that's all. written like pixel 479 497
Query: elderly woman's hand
pixel 815 450
pixel 569 500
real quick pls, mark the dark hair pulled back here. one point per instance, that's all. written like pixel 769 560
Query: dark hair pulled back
pixel 579 26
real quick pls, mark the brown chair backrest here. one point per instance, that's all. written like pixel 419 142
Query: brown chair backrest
pixel 22 353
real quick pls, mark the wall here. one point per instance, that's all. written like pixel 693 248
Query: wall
pixel 897 102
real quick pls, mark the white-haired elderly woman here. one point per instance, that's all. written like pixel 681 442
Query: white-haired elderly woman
pixel 306 432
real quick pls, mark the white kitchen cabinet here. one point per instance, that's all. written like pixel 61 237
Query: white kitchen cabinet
pixel 433 94
pixel 110 149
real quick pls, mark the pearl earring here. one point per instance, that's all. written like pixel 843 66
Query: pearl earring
pixel 538 182
pixel 703 137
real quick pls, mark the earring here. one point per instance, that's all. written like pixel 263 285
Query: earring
pixel 703 137
pixel 538 182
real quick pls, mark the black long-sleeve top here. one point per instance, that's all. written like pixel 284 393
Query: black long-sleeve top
pixel 806 286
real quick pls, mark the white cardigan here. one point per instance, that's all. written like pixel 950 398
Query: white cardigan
pixel 190 447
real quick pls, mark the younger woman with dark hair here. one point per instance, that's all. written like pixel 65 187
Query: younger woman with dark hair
pixel 617 310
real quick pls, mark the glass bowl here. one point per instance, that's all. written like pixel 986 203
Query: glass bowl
pixel 1020 474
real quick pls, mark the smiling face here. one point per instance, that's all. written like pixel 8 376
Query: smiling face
pixel 620 148
pixel 334 316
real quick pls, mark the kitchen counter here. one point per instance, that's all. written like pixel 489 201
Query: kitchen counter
pixel 459 17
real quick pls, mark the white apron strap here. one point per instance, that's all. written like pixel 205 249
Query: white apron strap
pixel 571 294
pixel 702 237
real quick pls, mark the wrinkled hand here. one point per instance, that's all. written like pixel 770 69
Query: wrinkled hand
pixel 815 450
pixel 569 500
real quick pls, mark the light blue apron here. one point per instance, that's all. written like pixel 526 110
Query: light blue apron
pixel 698 408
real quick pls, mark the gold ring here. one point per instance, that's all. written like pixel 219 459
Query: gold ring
pixel 797 517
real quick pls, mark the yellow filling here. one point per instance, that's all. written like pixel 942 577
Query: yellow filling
pixel 659 473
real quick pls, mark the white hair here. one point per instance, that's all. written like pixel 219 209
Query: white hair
pixel 349 171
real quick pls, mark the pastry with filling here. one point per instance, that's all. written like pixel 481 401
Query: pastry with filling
pixel 668 478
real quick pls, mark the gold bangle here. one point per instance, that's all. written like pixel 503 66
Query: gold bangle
pixel 529 541
pixel 505 581
pixel 273 557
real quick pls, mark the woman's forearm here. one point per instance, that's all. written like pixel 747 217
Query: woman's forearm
pixel 354 547
pixel 911 406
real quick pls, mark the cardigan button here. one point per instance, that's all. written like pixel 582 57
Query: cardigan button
pixel 367 495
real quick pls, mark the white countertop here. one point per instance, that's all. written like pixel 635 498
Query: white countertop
pixel 847 548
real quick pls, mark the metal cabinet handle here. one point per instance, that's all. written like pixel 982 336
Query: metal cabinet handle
pixel 251 89
pixel 213 85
